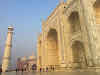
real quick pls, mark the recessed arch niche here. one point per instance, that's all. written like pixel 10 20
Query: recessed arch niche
pixel 74 22
pixel 78 52
pixel 52 48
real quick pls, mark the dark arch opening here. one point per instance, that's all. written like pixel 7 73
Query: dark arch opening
pixel 74 21
pixel 78 51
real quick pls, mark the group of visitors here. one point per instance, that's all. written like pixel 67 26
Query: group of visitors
pixel 23 70
pixel 47 69
pixel 20 70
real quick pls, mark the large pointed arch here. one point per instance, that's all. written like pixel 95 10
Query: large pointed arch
pixel 52 48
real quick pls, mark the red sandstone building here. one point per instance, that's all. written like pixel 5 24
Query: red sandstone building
pixel 27 64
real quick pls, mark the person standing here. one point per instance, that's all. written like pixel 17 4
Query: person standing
pixel 40 69
pixel 46 69
pixel 53 68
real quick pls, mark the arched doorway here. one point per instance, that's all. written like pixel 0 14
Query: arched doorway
pixel 97 11
pixel 78 52
pixel 52 48
pixel 74 22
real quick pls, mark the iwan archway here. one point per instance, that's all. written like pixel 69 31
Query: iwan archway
pixel 52 48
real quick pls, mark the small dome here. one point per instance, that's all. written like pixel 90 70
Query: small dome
pixel 24 58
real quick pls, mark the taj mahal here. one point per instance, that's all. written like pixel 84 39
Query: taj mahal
pixel 70 36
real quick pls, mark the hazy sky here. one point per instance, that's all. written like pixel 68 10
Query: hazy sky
pixel 25 15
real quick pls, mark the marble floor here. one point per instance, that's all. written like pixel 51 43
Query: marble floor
pixel 51 73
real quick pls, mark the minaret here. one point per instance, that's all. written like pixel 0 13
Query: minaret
pixel 7 53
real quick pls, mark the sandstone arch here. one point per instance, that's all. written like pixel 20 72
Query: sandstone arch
pixel 97 11
pixel 52 48
pixel 78 52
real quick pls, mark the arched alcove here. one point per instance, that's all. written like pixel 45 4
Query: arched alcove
pixel 97 11
pixel 52 47
pixel 78 52
pixel 74 22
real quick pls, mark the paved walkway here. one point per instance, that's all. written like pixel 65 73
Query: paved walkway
pixel 51 73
